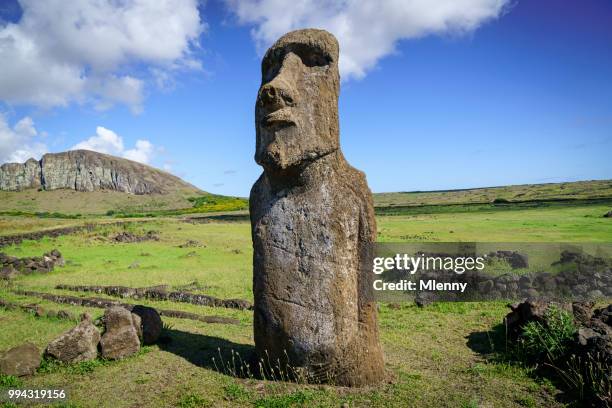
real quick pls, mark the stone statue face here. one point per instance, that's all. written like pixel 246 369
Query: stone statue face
pixel 296 114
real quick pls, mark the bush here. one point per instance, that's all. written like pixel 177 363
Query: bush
pixel 588 377
pixel 9 381
pixel 547 342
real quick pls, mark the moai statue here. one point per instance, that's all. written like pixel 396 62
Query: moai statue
pixel 312 223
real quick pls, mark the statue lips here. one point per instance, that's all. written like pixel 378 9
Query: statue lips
pixel 281 117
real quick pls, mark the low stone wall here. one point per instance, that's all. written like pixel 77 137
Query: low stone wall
pixel 105 303
pixel 14 239
pixel 11 266
pixel 161 293
pixel 582 277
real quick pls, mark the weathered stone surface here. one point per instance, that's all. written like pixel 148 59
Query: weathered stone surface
pixel 78 344
pixel 84 170
pixel 150 325
pixel 18 176
pixel 128 237
pixel 11 266
pixel 312 222
pixel 120 338
pixel 531 310
pixel 21 360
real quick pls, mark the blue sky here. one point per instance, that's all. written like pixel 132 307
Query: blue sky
pixel 520 94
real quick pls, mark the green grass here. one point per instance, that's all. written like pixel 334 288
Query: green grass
pixel 209 203
pixel 435 356
pixel 549 224
pixel 72 202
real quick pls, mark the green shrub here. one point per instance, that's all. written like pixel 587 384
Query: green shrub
pixel 9 381
pixel 546 342
pixel 588 377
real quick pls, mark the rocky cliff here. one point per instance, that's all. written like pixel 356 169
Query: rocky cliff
pixel 84 170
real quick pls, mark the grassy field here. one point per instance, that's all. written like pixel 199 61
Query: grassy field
pixel 84 204
pixel 519 193
pixel 435 357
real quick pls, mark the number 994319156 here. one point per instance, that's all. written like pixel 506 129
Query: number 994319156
pixel 31 394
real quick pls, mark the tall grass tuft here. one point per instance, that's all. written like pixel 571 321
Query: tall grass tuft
pixel 546 342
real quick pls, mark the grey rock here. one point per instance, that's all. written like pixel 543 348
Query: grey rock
pixel 21 360
pixel 85 170
pixel 77 344
pixel 584 334
pixel 19 176
pixel 312 222
pixel 121 337
pixel 595 294
pixel 151 324
pixel 65 314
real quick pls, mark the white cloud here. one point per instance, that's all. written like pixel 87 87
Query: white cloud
pixel 366 30
pixel 105 141
pixel 143 152
pixel 21 142
pixel 109 142
pixel 88 51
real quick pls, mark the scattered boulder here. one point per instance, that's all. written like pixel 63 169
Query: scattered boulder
pixel 588 354
pixel 528 311
pixel 64 314
pixel 608 214
pixel 150 326
pixel 191 243
pixel 8 272
pixel 128 237
pixel 515 259
pixel 77 344
pixel 582 311
pixel 121 337
pixel 21 360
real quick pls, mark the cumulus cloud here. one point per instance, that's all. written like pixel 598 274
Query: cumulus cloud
pixel 21 142
pixel 141 153
pixel 90 51
pixel 366 30
pixel 109 142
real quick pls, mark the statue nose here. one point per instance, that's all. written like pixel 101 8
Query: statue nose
pixel 275 95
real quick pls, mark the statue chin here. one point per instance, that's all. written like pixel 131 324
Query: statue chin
pixel 274 162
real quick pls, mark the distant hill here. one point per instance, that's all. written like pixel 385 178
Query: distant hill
pixel 86 182
pixel 578 190
pixel 84 170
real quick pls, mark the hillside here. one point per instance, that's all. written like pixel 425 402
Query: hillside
pixel 86 182
pixel 84 170
pixel 579 190
pixel 186 199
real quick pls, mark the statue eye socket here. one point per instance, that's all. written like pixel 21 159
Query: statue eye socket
pixel 312 58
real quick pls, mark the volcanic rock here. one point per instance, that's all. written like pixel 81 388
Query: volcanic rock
pixel 121 337
pixel 312 222
pixel 21 360
pixel 77 344
pixel 85 170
